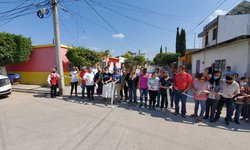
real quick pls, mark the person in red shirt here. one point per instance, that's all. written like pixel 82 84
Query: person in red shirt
pixel 53 82
pixel 83 81
pixel 182 83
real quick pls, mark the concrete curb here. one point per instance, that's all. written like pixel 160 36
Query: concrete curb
pixel 30 91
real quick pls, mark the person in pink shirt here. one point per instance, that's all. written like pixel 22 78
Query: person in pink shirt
pixel 143 80
pixel 200 91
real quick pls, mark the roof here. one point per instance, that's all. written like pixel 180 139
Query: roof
pixel 50 45
pixel 242 8
pixel 242 37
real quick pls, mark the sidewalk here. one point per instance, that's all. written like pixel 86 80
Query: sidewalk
pixel 38 89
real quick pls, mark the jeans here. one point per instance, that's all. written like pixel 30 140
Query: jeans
pixel 73 85
pixel 229 105
pixel 158 98
pixel 211 105
pixel 179 96
pixel 238 109
pixel 203 107
pixel 171 97
pixel 83 89
pixel 144 92
pixel 152 98
pixel 132 92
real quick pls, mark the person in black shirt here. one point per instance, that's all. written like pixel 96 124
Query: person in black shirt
pixel 165 85
pixel 132 85
pixel 107 77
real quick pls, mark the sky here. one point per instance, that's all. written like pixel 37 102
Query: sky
pixel 116 25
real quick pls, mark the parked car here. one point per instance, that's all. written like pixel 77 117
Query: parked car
pixel 5 86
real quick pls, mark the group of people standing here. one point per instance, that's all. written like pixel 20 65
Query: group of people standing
pixel 211 89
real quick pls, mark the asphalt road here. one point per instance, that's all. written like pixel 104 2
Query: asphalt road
pixel 36 122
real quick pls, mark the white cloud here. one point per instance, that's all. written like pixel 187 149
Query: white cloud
pixel 216 13
pixel 118 36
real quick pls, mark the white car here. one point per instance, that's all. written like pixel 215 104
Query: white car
pixel 5 86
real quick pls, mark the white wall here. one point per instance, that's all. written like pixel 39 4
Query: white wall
pixel 231 26
pixel 236 56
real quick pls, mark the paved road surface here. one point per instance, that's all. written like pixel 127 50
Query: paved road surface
pixel 36 122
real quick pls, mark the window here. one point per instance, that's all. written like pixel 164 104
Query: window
pixel 206 40
pixel 220 64
pixel 215 34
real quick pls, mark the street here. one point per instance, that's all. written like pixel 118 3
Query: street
pixel 37 122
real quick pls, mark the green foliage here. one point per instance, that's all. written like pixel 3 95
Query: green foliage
pixel 14 48
pixel 161 50
pixel 177 43
pixel 166 58
pixel 182 43
pixel 127 54
pixel 83 56
pixel 134 61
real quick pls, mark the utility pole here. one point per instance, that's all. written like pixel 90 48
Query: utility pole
pixel 59 64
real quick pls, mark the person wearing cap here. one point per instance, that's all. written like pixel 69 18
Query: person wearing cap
pixel 230 89
pixel 182 83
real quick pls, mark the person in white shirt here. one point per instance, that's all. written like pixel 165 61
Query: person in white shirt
pixel 89 78
pixel 153 88
pixel 95 68
pixel 74 80
pixel 230 89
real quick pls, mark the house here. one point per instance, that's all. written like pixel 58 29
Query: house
pixel 187 58
pixel 226 42
pixel 42 60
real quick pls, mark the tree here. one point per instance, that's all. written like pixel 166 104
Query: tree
pixel 128 54
pixel 83 56
pixel 168 58
pixel 177 43
pixel 139 60
pixel 14 48
pixel 130 62
pixel 161 50
pixel 182 43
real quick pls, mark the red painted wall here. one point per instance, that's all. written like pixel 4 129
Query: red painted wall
pixel 42 59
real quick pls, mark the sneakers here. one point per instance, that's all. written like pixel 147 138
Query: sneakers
pixel 198 119
pixel 205 117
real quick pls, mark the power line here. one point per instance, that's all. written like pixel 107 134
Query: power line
pixel 152 12
pixel 207 16
pixel 101 16
pixel 131 18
